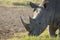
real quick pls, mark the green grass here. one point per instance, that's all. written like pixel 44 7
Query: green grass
pixel 24 36
pixel 21 2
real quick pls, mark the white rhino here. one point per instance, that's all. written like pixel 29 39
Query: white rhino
pixel 47 14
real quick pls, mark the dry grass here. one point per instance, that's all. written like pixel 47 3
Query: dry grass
pixel 18 2
pixel 24 36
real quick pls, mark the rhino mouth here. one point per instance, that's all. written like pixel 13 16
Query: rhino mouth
pixel 33 34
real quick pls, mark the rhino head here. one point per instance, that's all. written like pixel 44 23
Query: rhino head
pixel 39 21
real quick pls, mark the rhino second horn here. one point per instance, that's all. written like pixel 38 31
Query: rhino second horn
pixel 31 19
pixel 25 25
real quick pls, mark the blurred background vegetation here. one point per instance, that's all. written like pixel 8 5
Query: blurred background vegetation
pixel 18 2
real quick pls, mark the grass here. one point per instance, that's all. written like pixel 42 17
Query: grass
pixel 24 36
pixel 18 2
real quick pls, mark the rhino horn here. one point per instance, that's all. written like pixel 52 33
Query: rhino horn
pixel 31 19
pixel 25 24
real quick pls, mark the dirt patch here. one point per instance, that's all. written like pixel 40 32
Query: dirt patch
pixel 10 19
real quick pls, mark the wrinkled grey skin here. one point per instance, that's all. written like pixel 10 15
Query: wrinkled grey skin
pixel 48 14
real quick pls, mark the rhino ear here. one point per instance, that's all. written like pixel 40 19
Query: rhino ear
pixel 33 5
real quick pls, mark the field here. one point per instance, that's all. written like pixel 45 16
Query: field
pixel 18 2
pixel 43 36
pixel 11 27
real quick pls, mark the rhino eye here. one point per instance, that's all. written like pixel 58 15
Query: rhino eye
pixel 39 23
